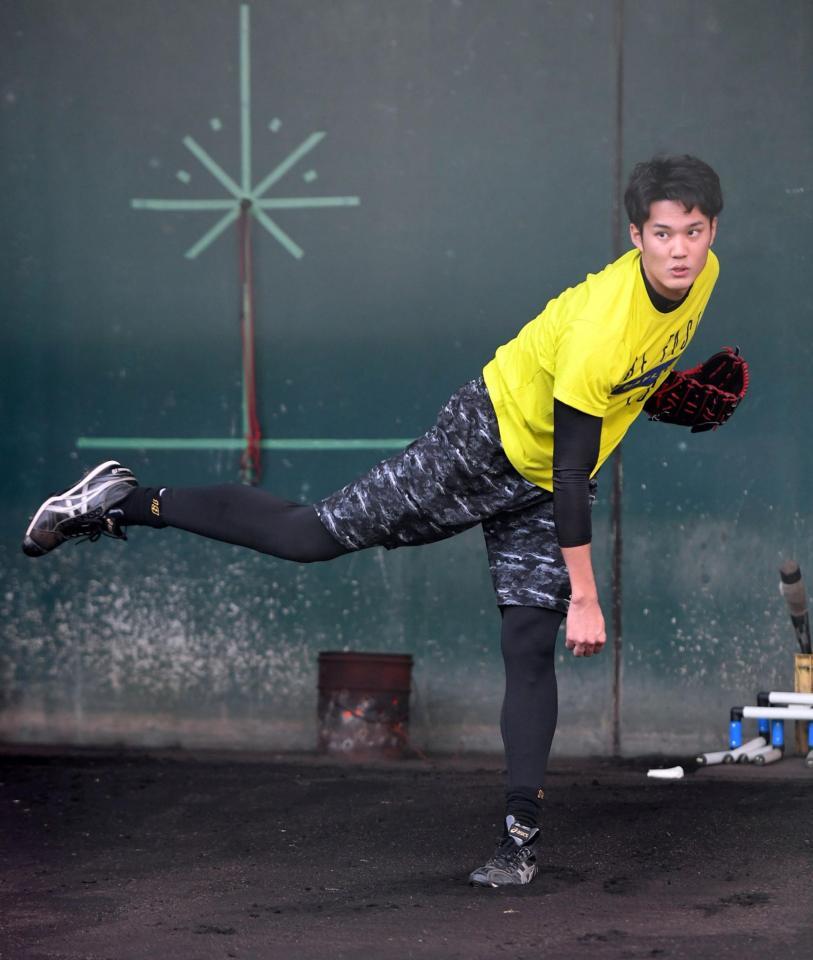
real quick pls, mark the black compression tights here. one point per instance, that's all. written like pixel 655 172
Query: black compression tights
pixel 257 519
pixel 245 516
pixel 530 707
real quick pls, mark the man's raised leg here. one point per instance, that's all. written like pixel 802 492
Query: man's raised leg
pixel 108 499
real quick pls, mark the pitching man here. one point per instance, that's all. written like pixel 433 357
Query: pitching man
pixel 516 451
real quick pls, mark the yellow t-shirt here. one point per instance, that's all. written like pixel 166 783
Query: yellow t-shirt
pixel 600 347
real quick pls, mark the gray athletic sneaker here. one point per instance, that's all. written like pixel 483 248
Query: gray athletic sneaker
pixel 81 510
pixel 514 860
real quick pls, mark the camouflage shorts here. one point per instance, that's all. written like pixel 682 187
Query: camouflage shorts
pixel 452 478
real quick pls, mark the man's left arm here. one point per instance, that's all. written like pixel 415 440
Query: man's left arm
pixel 705 396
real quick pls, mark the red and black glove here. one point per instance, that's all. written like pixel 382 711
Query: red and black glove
pixel 704 397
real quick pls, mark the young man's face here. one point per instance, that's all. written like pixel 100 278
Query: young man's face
pixel 674 245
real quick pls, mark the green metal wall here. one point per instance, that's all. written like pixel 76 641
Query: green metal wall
pixel 708 519
pixel 481 139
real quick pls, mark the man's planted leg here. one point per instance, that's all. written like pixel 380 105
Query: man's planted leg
pixel 528 723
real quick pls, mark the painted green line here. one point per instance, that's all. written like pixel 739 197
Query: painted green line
pixel 234 443
pixel 280 235
pixel 216 171
pixel 211 235
pixel 138 204
pixel 279 172
pixel 245 97
pixel 293 203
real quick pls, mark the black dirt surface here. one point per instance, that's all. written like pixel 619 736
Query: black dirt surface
pixel 124 856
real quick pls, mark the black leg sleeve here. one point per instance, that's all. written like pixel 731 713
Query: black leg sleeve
pixel 530 706
pixel 245 516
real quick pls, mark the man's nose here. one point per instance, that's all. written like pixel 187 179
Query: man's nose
pixel 678 246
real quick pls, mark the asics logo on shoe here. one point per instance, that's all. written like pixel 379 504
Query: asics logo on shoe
pixel 521 833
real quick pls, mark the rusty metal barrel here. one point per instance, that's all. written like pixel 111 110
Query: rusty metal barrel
pixel 364 704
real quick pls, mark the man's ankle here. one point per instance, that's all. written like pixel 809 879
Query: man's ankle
pixel 142 507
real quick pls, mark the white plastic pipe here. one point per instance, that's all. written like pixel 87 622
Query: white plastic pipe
pixel 766 755
pixel 784 697
pixel 778 713
pixel 709 759
pixel 745 750
pixel 666 773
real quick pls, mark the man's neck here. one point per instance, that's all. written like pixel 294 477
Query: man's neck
pixel 661 303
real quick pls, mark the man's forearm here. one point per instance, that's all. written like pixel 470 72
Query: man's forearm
pixel 580 569
pixel 576 444
pixel 585 632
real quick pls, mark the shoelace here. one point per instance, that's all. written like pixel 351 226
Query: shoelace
pixel 90 527
pixel 93 537
pixel 506 856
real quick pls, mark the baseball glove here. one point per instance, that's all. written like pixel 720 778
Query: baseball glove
pixel 704 397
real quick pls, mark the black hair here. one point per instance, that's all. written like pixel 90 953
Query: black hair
pixel 682 178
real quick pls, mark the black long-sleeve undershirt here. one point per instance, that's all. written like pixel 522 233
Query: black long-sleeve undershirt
pixel 576 443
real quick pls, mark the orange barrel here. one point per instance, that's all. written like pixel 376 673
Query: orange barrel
pixel 364 703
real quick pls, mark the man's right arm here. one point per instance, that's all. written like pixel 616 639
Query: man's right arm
pixel 576 444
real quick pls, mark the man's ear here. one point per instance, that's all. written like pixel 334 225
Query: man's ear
pixel 635 236
pixel 713 230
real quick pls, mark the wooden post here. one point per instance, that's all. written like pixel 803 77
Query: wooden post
pixel 802 683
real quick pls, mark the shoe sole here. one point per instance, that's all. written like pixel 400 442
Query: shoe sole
pixel 496 886
pixel 30 547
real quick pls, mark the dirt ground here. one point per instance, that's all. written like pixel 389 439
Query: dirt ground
pixel 124 856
